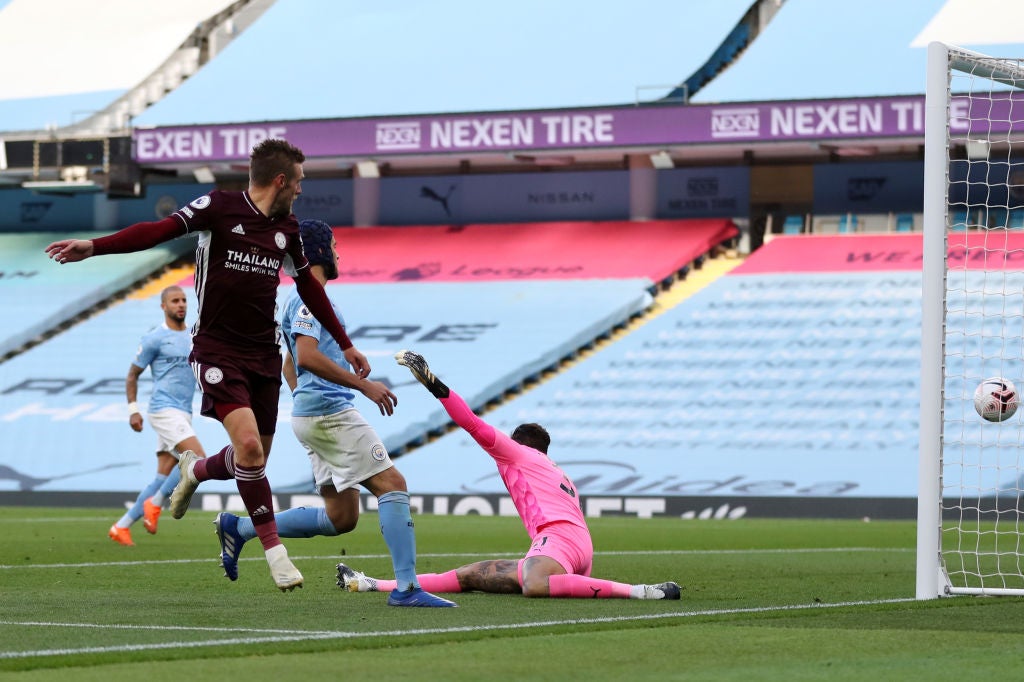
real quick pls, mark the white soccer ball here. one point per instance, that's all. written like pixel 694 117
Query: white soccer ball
pixel 996 399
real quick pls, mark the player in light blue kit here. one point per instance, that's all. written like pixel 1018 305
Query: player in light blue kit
pixel 164 349
pixel 343 448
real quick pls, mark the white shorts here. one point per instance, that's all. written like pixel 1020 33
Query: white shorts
pixel 342 447
pixel 171 426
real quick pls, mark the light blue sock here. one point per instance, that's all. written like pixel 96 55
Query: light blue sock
pixel 397 528
pixel 134 513
pixel 164 494
pixel 300 522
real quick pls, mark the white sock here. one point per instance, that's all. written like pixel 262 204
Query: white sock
pixel 276 553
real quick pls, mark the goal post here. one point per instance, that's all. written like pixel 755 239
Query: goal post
pixel 970 516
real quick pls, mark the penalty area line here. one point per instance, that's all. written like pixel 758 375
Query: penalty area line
pixel 299 636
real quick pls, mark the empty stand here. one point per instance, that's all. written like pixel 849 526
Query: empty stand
pixel 71 388
pixel 40 294
pixel 794 224
pixel 848 223
pixel 905 222
pixel 786 379
pixel 499 306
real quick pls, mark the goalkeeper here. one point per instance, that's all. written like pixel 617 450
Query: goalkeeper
pixel 559 560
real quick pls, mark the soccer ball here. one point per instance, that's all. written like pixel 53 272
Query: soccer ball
pixel 996 399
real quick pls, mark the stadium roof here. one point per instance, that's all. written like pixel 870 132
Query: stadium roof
pixel 305 59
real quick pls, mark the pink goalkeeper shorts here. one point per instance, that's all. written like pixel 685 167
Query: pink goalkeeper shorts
pixel 566 543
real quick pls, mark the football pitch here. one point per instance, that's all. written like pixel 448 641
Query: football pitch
pixel 762 599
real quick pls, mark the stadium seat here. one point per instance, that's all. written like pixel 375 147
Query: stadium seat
pixel 996 218
pixel 794 224
pixel 848 223
pixel 958 221
pixel 1016 219
pixel 905 222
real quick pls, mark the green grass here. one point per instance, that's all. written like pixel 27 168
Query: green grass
pixel 763 599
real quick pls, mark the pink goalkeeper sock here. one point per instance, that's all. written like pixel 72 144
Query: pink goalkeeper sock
pixel 439 582
pixel 583 587
pixel 431 582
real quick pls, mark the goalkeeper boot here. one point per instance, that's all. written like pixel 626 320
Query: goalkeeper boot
pixel 417 596
pixel 182 495
pixel 419 368
pixel 667 590
pixel 285 575
pixel 354 581
pixel 150 515
pixel 231 543
pixel 122 536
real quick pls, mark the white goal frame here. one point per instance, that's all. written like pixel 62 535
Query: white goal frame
pixel 932 579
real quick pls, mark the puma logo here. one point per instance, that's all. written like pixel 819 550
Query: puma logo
pixel 428 193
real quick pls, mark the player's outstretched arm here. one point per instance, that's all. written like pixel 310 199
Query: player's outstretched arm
pixel 137 237
pixel 70 250
pixel 419 368
pixel 482 432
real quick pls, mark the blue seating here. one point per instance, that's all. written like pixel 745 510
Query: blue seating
pixel 678 347
pixel 1016 219
pixel 958 220
pixel 38 295
pixel 905 222
pixel 996 218
pixel 847 223
pixel 793 224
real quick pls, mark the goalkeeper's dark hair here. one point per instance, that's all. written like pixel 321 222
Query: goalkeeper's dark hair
pixel 532 435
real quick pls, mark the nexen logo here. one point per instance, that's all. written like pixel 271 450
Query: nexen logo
pixel 735 123
pixel 398 135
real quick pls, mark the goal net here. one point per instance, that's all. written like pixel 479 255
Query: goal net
pixel 971 471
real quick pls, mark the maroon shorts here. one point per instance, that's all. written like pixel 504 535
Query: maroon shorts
pixel 247 382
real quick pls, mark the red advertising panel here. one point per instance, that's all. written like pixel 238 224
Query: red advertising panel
pixel 565 250
pixel 990 249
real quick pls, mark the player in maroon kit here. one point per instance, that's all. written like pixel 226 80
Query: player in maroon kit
pixel 245 239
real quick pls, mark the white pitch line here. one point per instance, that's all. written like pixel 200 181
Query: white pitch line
pixel 464 555
pixel 318 635
pixel 70 519
pixel 164 628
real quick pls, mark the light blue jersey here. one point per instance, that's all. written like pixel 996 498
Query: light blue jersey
pixel 314 396
pixel 165 352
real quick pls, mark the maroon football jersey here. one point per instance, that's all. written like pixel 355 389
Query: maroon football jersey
pixel 238 262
